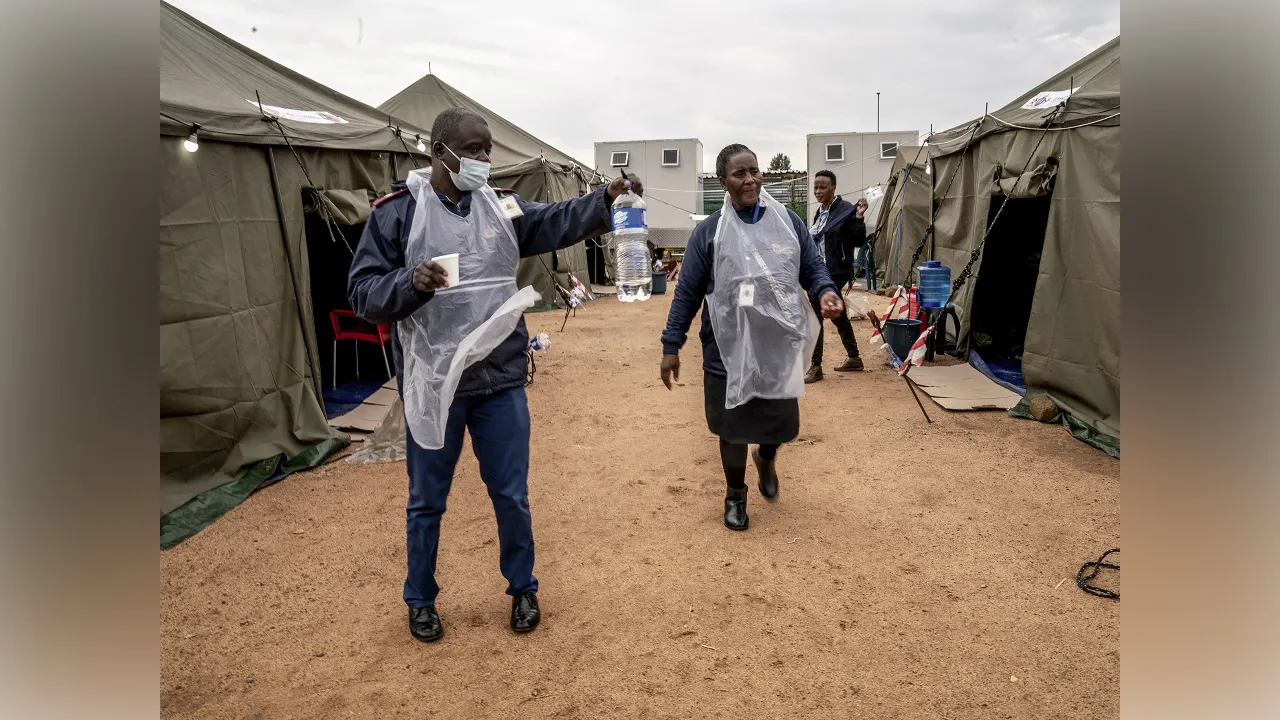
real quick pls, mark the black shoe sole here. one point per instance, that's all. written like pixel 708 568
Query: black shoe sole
pixel 432 638
pixel 529 629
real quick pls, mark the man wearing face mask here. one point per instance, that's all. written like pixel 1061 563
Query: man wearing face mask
pixel 459 346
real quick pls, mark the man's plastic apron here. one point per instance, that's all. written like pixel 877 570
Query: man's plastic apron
pixel 464 322
pixel 764 324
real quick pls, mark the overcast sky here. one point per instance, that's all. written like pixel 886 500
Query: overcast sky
pixel 760 73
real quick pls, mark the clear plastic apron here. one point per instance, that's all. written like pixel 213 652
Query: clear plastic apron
pixel 464 322
pixel 763 323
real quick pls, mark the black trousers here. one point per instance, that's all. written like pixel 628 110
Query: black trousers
pixel 843 326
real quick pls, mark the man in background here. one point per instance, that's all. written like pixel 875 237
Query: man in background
pixel 839 230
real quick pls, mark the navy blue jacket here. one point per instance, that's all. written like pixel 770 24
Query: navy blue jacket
pixel 697 282
pixel 381 290
pixel 842 235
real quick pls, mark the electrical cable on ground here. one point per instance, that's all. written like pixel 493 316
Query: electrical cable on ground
pixel 1089 571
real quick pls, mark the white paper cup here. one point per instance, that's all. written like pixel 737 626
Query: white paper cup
pixel 450 264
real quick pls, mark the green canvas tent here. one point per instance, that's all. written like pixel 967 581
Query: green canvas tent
pixel 240 379
pixel 1047 283
pixel 903 214
pixel 521 162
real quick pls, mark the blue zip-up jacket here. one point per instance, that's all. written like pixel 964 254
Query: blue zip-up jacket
pixel 380 287
pixel 843 234
pixel 697 282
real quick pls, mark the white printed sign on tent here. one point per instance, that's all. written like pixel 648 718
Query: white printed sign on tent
pixel 1049 98
pixel 315 117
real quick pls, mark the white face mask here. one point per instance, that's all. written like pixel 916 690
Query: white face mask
pixel 471 175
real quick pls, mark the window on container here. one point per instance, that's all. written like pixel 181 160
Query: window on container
pixel 835 152
pixel 888 150
pixel 619 159
pixel 670 157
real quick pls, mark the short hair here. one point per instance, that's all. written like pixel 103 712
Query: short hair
pixel 446 123
pixel 826 174
pixel 722 160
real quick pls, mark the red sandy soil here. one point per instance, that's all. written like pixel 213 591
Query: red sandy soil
pixel 906 570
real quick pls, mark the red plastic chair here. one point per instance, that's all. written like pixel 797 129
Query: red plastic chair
pixel 347 326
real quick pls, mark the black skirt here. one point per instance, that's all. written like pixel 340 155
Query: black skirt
pixel 756 422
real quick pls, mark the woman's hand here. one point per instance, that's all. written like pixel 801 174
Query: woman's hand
pixel 670 370
pixel 832 306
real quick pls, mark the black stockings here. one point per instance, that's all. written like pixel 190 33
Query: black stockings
pixel 734 459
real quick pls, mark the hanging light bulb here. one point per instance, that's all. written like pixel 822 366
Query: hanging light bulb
pixel 192 143
pixel 422 147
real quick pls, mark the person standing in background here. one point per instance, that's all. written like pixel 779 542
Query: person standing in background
pixel 839 230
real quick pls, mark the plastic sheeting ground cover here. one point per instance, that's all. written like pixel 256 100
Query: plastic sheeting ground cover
pixel 341 400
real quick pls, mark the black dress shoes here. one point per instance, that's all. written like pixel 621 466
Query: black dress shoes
pixel 735 508
pixel 524 612
pixel 424 624
pixel 768 475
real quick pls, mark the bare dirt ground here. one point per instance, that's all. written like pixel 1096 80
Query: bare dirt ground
pixel 905 571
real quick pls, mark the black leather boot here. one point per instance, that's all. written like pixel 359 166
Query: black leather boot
pixel 735 508
pixel 768 475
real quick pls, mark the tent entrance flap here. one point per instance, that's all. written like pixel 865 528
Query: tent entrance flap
pixel 596 261
pixel 1006 280
pixel 331 243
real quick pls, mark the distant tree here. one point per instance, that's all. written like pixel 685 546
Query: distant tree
pixel 780 163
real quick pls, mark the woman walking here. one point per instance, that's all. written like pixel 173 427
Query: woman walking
pixel 749 267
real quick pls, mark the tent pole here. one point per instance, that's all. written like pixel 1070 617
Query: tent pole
pixel 316 380
pixel 911 387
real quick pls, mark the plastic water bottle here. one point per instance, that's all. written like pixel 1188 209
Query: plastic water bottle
pixel 935 284
pixel 632 263
pixel 540 342
pixel 890 356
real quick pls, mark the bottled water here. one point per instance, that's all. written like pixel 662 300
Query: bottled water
pixel 890 356
pixel 632 263
pixel 540 342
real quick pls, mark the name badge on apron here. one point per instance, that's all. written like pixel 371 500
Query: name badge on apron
pixel 510 207
pixel 746 295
